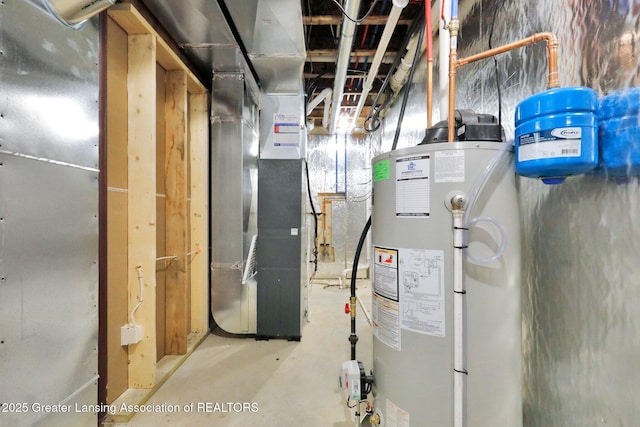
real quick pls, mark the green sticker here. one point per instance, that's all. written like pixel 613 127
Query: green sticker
pixel 381 170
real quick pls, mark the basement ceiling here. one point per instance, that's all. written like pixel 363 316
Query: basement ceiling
pixel 291 45
pixel 322 21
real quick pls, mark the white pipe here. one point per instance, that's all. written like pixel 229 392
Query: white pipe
pixel 392 21
pixel 322 96
pixel 352 8
pixel 327 110
pixel 443 58
pixel 399 78
pixel 459 315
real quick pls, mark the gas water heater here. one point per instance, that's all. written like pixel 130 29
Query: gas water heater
pixel 416 327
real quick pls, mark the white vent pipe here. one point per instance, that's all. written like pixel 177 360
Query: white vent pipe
pixel 325 96
pixel 352 8
pixel 392 21
pixel 318 99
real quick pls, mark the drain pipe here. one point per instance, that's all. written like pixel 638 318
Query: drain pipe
pixel 460 373
pixel 392 21
pixel 318 99
pixel 344 56
pixel 325 96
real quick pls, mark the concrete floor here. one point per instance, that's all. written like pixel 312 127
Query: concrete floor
pixel 244 382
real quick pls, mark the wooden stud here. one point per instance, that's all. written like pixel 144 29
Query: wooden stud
pixel 176 211
pixel 117 291
pixel 132 21
pixel 142 204
pixel 199 254
pixel 161 243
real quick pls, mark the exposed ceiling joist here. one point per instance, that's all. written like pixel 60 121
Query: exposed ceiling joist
pixel 337 20
pixel 331 55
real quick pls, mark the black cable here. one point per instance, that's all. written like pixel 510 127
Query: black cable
pixel 353 338
pixel 315 220
pixel 349 400
pixel 375 112
pixel 407 88
pixel 495 63
pixel 359 20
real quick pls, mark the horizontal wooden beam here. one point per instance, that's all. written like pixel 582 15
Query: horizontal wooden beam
pixel 331 55
pixel 317 113
pixel 337 20
pixel 332 76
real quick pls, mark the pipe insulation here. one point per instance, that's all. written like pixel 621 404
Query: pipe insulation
pixel 389 27
pixel 344 52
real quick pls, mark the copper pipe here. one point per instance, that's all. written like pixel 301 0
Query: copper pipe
pixel 454 25
pixel 552 54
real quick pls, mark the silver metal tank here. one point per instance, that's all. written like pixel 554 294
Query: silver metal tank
pixel 412 237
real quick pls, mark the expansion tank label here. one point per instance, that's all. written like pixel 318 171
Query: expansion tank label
pixel 412 186
pixel 421 274
pixel 550 144
pixel 449 166
pixel 385 310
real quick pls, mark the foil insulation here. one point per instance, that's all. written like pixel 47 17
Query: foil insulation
pixel 48 216
pixel 341 164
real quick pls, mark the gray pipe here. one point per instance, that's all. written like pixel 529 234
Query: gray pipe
pixel 352 8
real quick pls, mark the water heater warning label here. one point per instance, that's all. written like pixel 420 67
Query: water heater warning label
pixel 385 311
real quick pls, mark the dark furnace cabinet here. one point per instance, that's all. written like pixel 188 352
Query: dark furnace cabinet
pixel 280 250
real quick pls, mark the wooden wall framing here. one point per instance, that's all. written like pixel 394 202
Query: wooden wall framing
pixel 157 193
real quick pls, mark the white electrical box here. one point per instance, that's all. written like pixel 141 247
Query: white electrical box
pixel 130 334
pixel 350 379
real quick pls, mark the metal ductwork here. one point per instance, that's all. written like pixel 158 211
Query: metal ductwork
pixel 273 35
pixel 214 35
pixel 202 30
pixel 344 57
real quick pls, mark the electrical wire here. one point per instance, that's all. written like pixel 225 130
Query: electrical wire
pixel 315 220
pixel 359 20
pixel 377 109
pixel 495 63
pixel 349 406
pixel 141 284
pixel 407 88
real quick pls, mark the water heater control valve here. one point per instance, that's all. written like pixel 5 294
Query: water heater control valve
pixel 354 380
